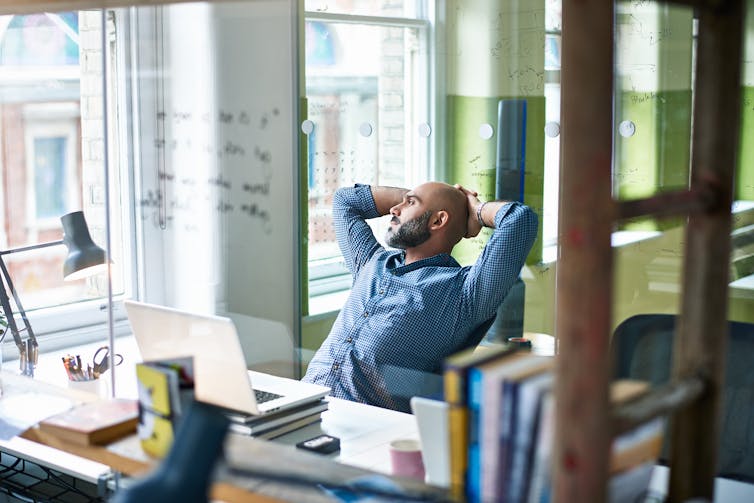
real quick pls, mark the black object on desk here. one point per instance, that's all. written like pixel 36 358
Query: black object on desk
pixel 519 342
pixel 321 444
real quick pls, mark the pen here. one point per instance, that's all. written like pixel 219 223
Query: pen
pixel 67 368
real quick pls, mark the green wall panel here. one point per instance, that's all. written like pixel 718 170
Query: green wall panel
pixel 657 157
pixel 471 160
pixel 745 173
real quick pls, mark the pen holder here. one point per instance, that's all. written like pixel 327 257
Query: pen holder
pixel 95 386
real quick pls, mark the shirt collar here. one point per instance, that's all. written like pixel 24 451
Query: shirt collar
pixel 395 262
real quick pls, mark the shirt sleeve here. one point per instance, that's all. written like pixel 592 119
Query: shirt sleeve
pixel 500 263
pixel 352 206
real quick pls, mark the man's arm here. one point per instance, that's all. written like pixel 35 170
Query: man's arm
pixel 387 197
pixel 500 262
pixel 352 206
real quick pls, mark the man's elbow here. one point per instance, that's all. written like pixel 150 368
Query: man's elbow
pixel 528 223
pixel 341 196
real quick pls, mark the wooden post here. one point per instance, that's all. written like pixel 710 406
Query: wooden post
pixel 584 273
pixel 701 340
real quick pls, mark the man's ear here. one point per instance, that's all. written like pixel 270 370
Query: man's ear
pixel 439 220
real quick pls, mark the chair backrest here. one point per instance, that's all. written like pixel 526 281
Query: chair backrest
pixel 642 348
pixel 476 336
pixel 404 383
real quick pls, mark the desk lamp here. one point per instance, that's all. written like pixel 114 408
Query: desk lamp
pixel 84 259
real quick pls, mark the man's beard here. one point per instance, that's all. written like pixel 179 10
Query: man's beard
pixel 410 233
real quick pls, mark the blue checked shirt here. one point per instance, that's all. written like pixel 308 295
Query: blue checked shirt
pixel 401 321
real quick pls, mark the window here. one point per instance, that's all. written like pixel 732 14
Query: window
pixel 367 91
pixel 52 157
pixel 52 152
pixel 553 29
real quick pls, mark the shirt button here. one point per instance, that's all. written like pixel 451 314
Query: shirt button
pixel 335 366
pixel 366 313
pixel 382 291
pixel 350 339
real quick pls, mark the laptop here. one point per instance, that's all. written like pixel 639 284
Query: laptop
pixel 220 374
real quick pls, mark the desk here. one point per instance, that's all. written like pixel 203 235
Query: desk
pixel 743 287
pixel 365 433
pixel 726 490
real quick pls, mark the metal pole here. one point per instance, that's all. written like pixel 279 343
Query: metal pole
pixel 108 250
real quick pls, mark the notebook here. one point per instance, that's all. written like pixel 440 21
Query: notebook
pixel 220 373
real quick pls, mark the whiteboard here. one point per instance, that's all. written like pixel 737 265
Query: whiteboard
pixel 219 206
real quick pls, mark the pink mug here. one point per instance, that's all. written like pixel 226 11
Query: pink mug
pixel 406 458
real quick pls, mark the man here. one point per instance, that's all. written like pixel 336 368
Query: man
pixel 411 308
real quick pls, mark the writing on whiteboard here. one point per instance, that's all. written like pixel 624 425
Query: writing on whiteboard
pixel 217 162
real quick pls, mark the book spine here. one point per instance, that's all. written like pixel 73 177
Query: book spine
pixel 490 417
pixel 526 417
pixel 458 429
pixel 474 468
pixel 507 426
pixel 539 485
pixel 529 461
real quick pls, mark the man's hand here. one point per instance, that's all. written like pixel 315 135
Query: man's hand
pixel 473 227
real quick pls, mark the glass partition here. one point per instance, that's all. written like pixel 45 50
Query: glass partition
pixel 230 125
pixel 214 122
pixel 367 96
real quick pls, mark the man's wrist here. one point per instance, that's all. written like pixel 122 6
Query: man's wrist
pixel 479 217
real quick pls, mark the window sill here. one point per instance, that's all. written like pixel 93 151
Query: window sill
pixel 618 239
pixel 327 303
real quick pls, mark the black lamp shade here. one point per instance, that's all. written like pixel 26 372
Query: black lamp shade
pixel 82 252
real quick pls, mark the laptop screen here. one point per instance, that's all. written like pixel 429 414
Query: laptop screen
pixel 221 376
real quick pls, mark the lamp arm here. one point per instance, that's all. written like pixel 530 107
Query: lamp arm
pixel 9 312
pixel 5 301
pixel 30 247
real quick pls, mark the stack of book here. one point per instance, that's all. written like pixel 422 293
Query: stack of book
pixel 501 415
pixel 275 424
pixel 94 423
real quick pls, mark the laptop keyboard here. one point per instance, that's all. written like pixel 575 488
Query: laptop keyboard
pixel 265 396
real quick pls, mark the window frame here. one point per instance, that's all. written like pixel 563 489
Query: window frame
pixel 81 321
pixel 328 277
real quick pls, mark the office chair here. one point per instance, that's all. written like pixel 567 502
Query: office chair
pixel 642 348
pixel 404 383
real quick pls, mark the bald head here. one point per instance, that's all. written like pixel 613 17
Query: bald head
pixel 440 196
